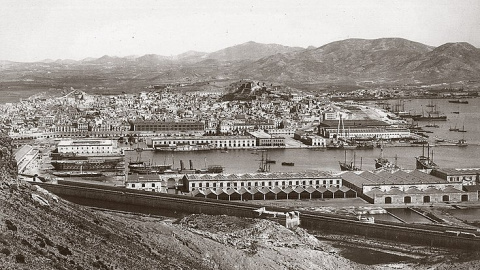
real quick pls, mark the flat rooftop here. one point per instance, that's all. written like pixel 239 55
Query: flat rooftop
pixel 399 177
pixel 85 143
pixel 453 171
pixel 260 176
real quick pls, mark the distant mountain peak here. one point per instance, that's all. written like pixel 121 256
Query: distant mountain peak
pixel 250 51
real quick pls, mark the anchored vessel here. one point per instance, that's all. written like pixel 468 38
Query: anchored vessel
pixel 459 101
pixel 425 162
pixel 88 164
pixel 344 166
pixel 382 162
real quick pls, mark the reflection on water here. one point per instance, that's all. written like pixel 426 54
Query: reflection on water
pixel 243 161
pixel 247 161
pixel 369 256
pixel 404 214
pixel 470 215
pixel 408 215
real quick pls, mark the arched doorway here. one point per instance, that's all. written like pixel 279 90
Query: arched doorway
pixel 407 199
pixel 426 199
pixel 445 198
pixel 388 200
pixel 465 198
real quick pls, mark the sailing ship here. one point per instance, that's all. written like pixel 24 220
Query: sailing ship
pixel 462 130
pixel 89 164
pixel 425 162
pixel 264 166
pixel 344 166
pixel 432 115
pixel 453 129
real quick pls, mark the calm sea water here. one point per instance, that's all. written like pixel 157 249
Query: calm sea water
pixel 242 161
pixel 471 215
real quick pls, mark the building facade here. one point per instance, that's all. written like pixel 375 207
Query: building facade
pixel 159 126
pixel 85 146
pixel 468 176
pixel 405 187
pixel 213 142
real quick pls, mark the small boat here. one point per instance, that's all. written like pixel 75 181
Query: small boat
pixel 334 145
pixel 459 101
pixel 456 112
pixel 453 129
pixel 288 164
pixel 270 161
pixel 432 125
pixel 462 143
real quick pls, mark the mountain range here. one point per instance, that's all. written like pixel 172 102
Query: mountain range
pixel 351 61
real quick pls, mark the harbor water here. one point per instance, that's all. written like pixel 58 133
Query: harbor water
pixel 247 161
pixel 307 159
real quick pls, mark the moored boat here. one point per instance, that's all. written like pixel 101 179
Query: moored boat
pixel 77 174
pixel 425 162
pixel 462 143
pixel 459 101
pixel 91 164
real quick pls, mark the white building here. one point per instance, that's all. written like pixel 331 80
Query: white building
pixel 214 142
pixel 87 146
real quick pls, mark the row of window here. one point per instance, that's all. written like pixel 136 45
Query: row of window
pixel 143 185
pixel 86 147
pixel 267 184
pixel 282 187
pixel 426 199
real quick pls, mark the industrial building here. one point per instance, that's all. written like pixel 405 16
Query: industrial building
pixel 86 146
pixel 161 126
pixel 405 187
pixel 203 142
pixel 350 129
pixel 468 176
pixel 266 186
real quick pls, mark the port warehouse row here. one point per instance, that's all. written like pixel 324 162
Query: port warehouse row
pixel 411 186
pixel 432 235
pixel 377 187
pixel 257 186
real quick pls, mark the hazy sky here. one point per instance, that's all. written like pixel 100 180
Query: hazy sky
pixel 41 29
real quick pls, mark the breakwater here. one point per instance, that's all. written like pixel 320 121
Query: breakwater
pixel 422 234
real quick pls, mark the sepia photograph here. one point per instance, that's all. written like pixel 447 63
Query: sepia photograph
pixel 239 134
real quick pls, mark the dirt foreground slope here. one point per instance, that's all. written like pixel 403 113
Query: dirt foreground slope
pixel 38 230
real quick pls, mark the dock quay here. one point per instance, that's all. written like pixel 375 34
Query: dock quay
pixel 422 234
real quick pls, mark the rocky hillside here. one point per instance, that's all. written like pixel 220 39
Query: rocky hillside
pixel 8 165
pixel 40 231
pixel 379 60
